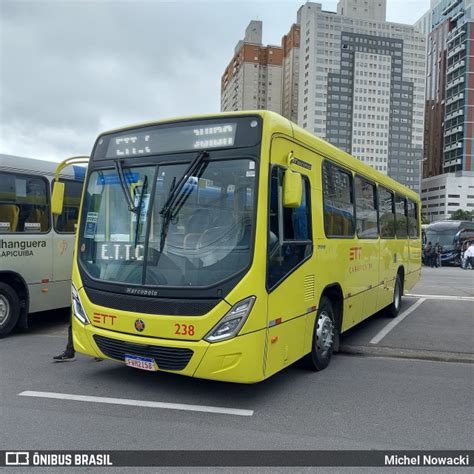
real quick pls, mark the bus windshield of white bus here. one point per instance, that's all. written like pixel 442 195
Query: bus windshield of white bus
pixel 444 237
pixel 205 239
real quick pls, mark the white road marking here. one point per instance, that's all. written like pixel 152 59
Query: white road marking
pixel 137 403
pixel 441 297
pixel 381 334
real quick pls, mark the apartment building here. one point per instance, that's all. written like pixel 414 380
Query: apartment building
pixel 362 84
pixel 449 128
pixel 253 78
pixel 291 61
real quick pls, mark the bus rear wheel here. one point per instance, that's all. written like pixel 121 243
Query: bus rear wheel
pixel 394 308
pixel 9 309
pixel 324 335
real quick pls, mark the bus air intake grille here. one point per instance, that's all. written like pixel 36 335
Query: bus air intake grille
pixel 148 305
pixel 167 358
pixel 309 287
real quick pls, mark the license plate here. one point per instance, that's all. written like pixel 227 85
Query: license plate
pixel 138 362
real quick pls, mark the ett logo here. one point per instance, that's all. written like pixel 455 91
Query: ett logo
pixel 139 325
pixel 355 253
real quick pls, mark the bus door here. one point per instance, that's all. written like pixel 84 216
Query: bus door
pixel 364 256
pixel 64 238
pixel 401 220
pixel 290 276
pixel 25 235
pixel 414 243
pixel 389 247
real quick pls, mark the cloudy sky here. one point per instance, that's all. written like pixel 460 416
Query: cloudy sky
pixel 70 69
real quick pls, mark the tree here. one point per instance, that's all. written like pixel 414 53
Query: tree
pixel 461 215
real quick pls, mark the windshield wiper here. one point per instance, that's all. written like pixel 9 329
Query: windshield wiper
pixel 166 210
pixel 139 207
pixel 174 192
pixel 125 189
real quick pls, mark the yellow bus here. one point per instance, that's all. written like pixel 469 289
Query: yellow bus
pixel 227 247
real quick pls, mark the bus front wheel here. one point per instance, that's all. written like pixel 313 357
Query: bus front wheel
pixel 324 335
pixel 9 309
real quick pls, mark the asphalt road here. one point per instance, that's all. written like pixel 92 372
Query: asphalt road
pixel 446 281
pixel 359 402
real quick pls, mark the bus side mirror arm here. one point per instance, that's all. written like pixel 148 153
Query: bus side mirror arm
pixel 57 198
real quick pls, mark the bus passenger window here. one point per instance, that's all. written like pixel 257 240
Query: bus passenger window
pixel 387 213
pixel 338 202
pixel 400 217
pixel 24 204
pixel 366 209
pixel 289 234
pixel 413 227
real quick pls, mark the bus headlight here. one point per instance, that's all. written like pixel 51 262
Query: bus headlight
pixel 77 307
pixel 232 322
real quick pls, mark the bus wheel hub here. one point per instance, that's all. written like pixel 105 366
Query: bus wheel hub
pixel 324 334
pixel 4 309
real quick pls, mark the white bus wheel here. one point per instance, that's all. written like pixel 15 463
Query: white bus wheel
pixel 324 335
pixel 9 309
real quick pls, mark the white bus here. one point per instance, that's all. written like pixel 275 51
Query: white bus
pixel 35 248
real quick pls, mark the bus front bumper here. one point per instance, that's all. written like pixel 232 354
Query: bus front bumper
pixel 239 359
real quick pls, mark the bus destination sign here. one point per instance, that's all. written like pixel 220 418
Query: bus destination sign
pixel 171 139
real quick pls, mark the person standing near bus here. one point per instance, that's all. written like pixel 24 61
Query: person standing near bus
pixel 428 251
pixel 469 256
pixel 464 247
pixel 69 353
pixel 438 252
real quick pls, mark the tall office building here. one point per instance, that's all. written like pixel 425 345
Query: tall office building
pixel 363 9
pixel 449 108
pixel 253 78
pixel 353 79
pixel 362 83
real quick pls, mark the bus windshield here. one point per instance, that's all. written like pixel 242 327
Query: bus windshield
pixel 207 240
pixel 444 237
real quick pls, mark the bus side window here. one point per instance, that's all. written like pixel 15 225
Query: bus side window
pixel 24 205
pixel 289 233
pixel 338 202
pixel 366 209
pixel 413 227
pixel 67 221
pixel 386 213
pixel 401 217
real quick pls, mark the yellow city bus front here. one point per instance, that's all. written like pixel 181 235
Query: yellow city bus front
pixel 166 276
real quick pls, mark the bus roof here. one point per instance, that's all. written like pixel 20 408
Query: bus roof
pixel 319 145
pixel 449 225
pixel 21 164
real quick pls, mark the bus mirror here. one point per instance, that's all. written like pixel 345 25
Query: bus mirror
pixel 58 198
pixel 292 189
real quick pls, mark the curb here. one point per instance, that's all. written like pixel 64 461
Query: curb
pixel 407 354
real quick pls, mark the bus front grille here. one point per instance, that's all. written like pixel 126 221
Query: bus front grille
pixel 151 305
pixel 167 358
